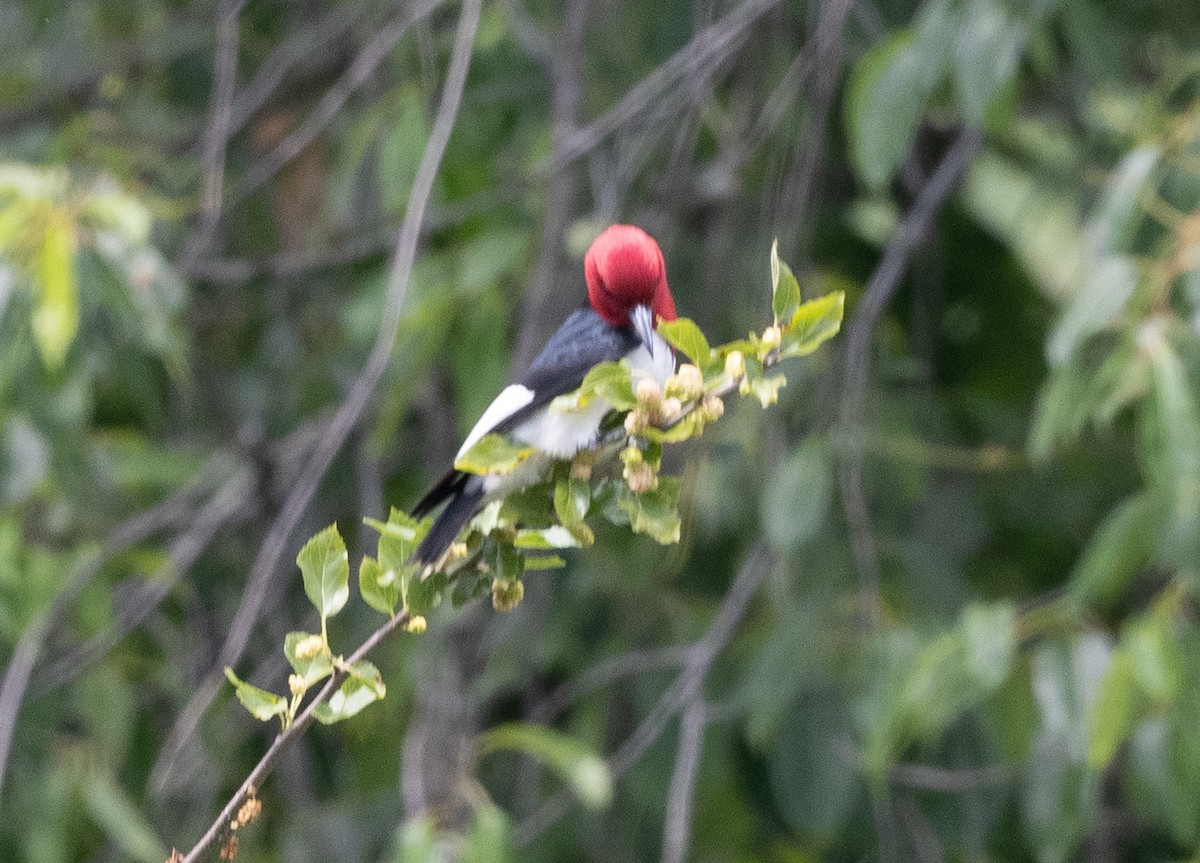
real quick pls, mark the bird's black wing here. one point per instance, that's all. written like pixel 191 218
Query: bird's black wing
pixel 584 340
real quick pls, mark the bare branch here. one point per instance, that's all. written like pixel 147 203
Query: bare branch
pixel 677 826
pixel 351 410
pixel 359 73
pixel 217 135
pixel 685 689
pixel 708 48
pixel 128 534
pixel 879 291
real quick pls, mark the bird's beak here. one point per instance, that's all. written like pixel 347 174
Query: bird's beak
pixel 643 325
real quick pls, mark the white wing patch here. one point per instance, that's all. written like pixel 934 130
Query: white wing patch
pixel 511 399
pixel 562 432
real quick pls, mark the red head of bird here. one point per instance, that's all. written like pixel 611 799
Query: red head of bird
pixel 625 270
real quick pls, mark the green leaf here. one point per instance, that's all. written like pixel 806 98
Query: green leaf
pixel 384 598
pixel 989 47
pixel 364 686
pixel 812 785
pixel 1171 432
pixel 1155 657
pixel 812 324
pixel 325 566
pixel 1121 547
pixel 785 290
pixel 687 337
pixel 1098 302
pixel 765 389
pixel 313 668
pixel 544 561
pixel 555 536
pixel 493 455
pixel 110 806
pixel 1112 714
pixel 1164 774
pixel 262 705
pixel 488 839
pixel 572 499
pixel 586 774
pixel 796 499
pixel 56 313
pixel 654 513
pixel 612 382
pixel 885 100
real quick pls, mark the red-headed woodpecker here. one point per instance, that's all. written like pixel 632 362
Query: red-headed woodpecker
pixel 627 293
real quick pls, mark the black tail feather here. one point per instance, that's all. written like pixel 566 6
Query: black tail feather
pixel 466 499
pixel 452 483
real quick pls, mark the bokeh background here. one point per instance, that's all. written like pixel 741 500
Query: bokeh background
pixel 937 604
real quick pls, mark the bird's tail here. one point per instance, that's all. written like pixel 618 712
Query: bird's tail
pixel 465 495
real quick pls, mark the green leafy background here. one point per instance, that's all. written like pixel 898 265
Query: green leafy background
pixel 1023 685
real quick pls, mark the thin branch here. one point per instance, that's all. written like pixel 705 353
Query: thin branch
pixel 351 410
pixel 359 73
pixel 708 48
pixel 677 826
pixel 126 535
pixel 217 135
pixel 685 689
pixel 879 291
pixel 607 672
pixel 183 553
pixel 267 763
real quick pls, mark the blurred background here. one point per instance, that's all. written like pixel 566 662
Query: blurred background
pixel 938 604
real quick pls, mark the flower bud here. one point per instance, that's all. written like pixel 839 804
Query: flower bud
pixel 671 408
pixel 417 624
pixel 309 647
pixel 735 365
pixel 507 593
pixel 772 336
pixel 457 551
pixel 689 382
pixel 296 685
pixel 631 455
pixel 641 478
pixel 712 408
pixel 635 422
pixel 648 393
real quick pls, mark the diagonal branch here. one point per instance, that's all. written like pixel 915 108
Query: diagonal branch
pixel 351 410
pixel 29 647
pixel 879 291
pixel 686 689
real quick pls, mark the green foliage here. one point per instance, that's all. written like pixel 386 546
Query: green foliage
pixel 585 773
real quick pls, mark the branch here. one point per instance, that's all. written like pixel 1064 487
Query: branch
pixel 360 71
pixel 677 826
pixel 29 647
pixel 685 689
pixel 267 763
pixel 351 410
pixel 709 47
pixel 879 291
pixel 217 136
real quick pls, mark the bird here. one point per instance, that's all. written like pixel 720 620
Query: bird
pixel 627 294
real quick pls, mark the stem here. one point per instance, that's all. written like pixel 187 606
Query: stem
pixel 267 763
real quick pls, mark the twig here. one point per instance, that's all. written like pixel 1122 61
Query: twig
pixel 217 135
pixel 677 826
pixel 29 646
pixel 710 46
pixel 879 291
pixel 606 672
pixel 351 410
pixel 184 551
pixel 359 73
pixel 305 718
pixel 685 689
